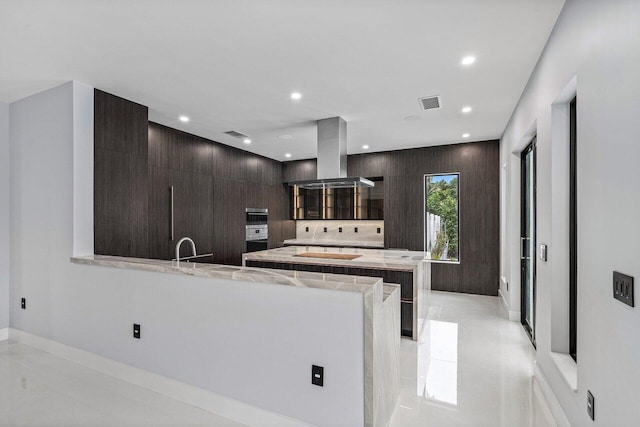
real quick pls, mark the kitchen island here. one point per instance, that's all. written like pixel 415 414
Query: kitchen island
pixel 409 269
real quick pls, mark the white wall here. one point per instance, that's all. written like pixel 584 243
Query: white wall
pixel 4 216
pixel 599 43
pixel 251 342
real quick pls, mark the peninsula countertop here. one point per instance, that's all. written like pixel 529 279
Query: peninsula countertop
pixel 336 282
pixel 378 259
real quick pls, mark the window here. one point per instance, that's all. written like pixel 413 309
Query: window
pixel 441 219
pixel 573 231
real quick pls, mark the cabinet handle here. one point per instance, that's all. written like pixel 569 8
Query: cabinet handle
pixel 172 221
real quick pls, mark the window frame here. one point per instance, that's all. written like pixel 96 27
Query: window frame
pixel 424 219
pixel 573 230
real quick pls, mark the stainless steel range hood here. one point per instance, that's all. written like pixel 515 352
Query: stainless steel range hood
pixel 332 158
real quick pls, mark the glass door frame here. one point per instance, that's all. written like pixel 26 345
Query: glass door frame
pixel 530 329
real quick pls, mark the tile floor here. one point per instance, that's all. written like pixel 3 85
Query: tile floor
pixel 40 389
pixel 471 367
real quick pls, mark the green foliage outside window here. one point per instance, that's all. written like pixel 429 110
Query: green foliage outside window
pixel 442 200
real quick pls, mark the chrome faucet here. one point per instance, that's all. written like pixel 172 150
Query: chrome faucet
pixel 184 239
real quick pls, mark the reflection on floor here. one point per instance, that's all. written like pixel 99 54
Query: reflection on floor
pixel 471 367
pixel 40 389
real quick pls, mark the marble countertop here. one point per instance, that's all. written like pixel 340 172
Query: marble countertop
pixel 378 259
pixel 336 282
pixel 337 243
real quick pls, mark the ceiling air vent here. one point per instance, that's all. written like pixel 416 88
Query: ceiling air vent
pixel 235 134
pixel 430 102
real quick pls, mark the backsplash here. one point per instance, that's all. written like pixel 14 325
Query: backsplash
pixel 371 232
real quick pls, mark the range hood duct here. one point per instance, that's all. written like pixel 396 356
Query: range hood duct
pixel 332 158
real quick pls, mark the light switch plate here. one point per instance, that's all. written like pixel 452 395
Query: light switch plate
pixel 623 288
pixel 591 405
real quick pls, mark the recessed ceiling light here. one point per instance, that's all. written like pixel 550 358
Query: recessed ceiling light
pixel 468 60
pixel 285 136
pixel 247 141
pixel 296 96
pixel 287 155
pixel 366 147
pixel 184 119
pixel 412 118
pixel 465 135
pixel 466 109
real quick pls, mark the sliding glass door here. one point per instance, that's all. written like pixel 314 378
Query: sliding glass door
pixel 528 239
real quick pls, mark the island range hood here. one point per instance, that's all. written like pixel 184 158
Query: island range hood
pixel 332 158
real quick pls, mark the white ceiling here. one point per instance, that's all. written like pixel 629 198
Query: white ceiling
pixel 231 65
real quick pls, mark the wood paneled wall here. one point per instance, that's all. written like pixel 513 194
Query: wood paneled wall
pixel 479 166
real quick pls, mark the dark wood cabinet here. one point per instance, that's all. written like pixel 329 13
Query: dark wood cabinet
pixel 160 240
pixel 213 185
pixel 120 125
pixel 137 162
pixel 234 221
pixel 121 192
pixel 191 212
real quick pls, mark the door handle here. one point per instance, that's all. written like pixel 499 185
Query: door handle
pixel 171 235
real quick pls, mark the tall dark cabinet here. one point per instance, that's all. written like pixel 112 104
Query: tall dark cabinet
pixel 180 192
pixel 121 187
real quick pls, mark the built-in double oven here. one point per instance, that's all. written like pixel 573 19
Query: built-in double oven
pixel 257 229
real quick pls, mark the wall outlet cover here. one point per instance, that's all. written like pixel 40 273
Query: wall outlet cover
pixel 317 375
pixel 23 303
pixel 136 331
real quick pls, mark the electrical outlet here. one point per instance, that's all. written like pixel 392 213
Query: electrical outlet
pixel 339 229
pixel 623 288
pixel 379 230
pixel 355 229
pixel 591 405
pixel 136 331
pixel 306 229
pixel 23 304
pixel 325 229
pixel 317 375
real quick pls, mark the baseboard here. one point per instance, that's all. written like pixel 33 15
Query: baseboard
pixel 512 315
pixel 4 334
pixel 220 405
pixel 550 399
